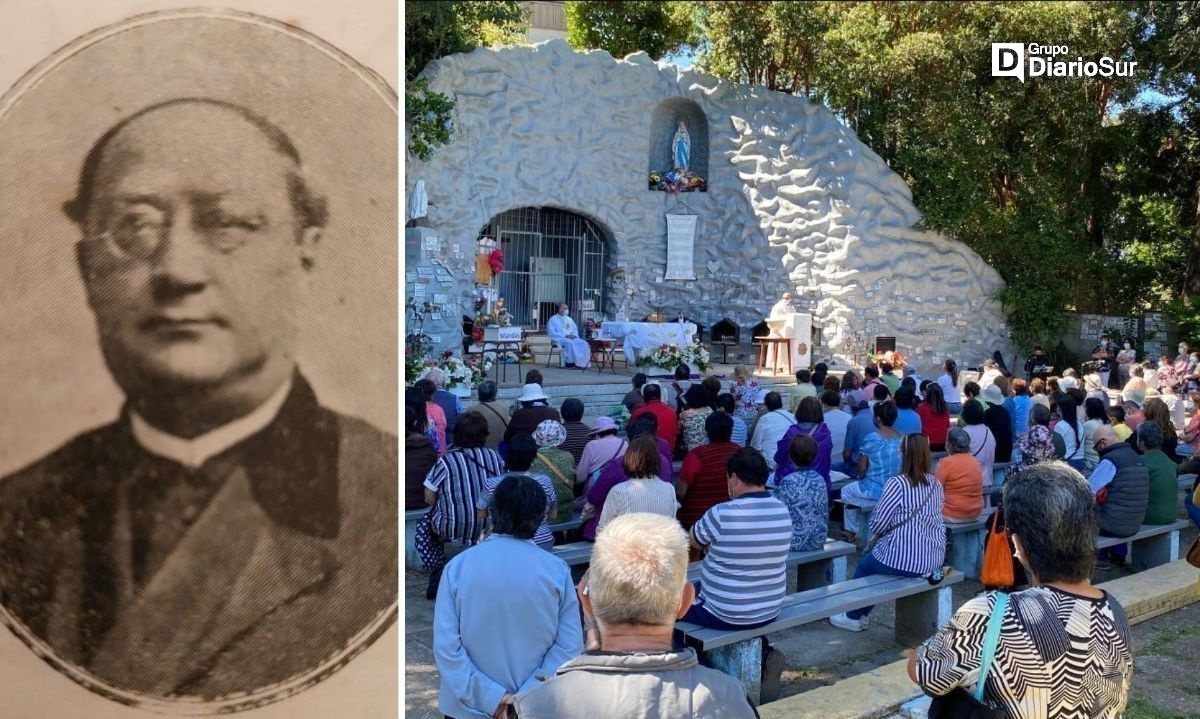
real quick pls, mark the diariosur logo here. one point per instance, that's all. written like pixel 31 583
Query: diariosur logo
pixel 1014 59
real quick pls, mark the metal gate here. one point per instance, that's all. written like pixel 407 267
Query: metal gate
pixel 551 256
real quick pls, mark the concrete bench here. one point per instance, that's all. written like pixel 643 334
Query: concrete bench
pixel 811 567
pixel 573 523
pixel 967 542
pixel 920 609
pixel 412 518
pixel 1153 545
pixel 999 472
pixel 574 554
pixel 865 507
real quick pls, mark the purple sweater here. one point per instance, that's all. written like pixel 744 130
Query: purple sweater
pixel 820 433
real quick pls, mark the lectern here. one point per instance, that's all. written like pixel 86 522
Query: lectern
pixel 797 327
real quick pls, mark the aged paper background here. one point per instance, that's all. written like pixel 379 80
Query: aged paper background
pixel 31 31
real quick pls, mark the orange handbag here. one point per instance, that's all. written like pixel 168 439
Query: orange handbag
pixel 997 558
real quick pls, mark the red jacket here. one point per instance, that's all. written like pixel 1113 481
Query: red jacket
pixel 668 422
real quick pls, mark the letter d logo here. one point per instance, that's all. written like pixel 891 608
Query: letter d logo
pixel 1008 60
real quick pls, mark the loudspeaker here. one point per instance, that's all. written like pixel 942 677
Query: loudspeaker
pixel 885 344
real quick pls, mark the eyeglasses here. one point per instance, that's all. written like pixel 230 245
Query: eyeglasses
pixel 141 238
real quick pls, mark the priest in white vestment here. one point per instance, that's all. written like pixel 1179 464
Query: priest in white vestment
pixel 561 328
pixel 782 308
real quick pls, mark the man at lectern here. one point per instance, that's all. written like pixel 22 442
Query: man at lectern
pixel 783 307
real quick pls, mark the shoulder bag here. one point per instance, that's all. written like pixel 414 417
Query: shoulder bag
pixel 961 704
pixel 877 538
pixel 493 411
pixel 568 483
pixel 997 558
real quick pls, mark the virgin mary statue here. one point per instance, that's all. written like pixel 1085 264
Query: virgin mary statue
pixel 681 147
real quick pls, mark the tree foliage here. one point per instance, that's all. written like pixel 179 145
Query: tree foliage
pixel 438 28
pixel 1081 195
pixel 622 28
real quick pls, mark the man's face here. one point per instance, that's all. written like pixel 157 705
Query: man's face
pixel 196 277
pixel 562 310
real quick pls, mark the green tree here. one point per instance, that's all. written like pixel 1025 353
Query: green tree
pixel 438 28
pixel 622 28
pixel 1013 169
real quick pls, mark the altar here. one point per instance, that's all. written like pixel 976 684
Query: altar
pixel 638 337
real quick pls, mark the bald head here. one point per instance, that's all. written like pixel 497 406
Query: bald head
pixel 219 132
pixel 1105 436
pixel 197 228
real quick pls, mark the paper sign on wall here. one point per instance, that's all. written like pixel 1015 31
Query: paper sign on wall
pixel 681 245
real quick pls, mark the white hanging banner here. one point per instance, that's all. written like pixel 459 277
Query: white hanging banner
pixel 681 244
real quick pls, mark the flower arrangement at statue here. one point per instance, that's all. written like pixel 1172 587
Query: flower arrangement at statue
pixel 677 181
pixel 496 261
pixel 895 359
pixel 670 356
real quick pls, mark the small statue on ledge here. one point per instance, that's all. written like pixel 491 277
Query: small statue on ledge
pixel 681 148
pixel 501 313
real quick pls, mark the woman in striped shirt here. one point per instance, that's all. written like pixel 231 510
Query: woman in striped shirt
pixel 451 490
pixel 908 535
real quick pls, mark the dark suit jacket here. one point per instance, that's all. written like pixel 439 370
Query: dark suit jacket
pixel 293 556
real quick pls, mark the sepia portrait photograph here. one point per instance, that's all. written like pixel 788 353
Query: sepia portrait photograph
pixel 198 459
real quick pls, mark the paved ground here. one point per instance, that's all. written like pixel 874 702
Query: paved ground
pixel 1166 685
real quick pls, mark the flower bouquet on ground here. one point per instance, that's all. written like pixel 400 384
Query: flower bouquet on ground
pixel 463 375
pixel 669 356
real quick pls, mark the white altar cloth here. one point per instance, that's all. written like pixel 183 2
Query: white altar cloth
pixel 638 337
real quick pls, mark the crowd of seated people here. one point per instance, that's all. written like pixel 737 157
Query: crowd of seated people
pixel 921 453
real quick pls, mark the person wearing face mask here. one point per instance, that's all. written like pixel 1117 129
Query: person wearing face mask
pixel 1125 360
pixel 1103 354
pixel 562 331
pixel 1192 377
pixel 1182 367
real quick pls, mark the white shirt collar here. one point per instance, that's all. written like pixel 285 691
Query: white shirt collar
pixel 194 452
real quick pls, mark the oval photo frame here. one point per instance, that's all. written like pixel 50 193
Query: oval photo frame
pixel 278 83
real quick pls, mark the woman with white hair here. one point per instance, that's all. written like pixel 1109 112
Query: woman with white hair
pixel 634 591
